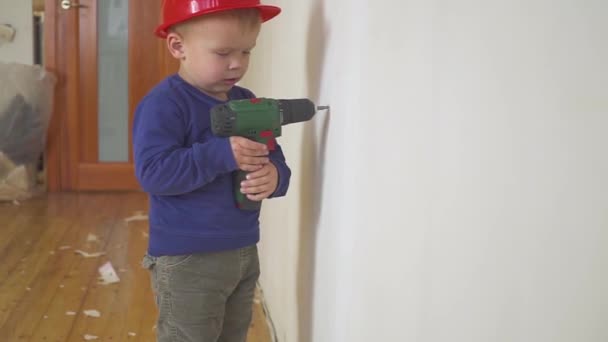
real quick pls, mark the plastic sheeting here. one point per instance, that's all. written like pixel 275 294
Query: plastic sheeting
pixel 26 102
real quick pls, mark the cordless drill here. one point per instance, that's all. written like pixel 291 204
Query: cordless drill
pixel 258 119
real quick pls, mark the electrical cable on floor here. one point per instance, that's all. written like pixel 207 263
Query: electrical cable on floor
pixel 269 322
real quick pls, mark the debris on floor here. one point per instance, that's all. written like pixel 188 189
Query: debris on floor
pixel 92 238
pixel 92 313
pixel 63 248
pixel 6 165
pixel 107 274
pixel 132 334
pixel 16 182
pixel 19 185
pixel 89 255
pixel 88 337
pixel 138 216
pixel 70 313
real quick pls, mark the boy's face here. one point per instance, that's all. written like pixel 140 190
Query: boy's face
pixel 214 53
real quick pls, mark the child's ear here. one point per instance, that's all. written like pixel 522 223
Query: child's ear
pixel 175 44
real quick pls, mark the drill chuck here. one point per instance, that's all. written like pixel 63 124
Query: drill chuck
pixel 297 110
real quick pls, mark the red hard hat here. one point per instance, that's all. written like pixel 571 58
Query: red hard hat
pixel 177 11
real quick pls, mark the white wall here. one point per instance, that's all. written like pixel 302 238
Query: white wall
pixel 18 14
pixel 458 189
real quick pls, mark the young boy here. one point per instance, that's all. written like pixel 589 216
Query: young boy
pixel 202 251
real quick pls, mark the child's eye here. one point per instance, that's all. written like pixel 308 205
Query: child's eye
pixel 247 52
pixel 222 54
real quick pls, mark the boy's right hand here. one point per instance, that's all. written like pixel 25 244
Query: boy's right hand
pixel 249 155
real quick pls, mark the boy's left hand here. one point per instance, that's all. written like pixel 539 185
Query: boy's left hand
pixel 262 183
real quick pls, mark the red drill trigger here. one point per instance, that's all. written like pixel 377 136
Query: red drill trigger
pixel 270 142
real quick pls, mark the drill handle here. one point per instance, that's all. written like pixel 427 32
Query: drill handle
pixel 242 202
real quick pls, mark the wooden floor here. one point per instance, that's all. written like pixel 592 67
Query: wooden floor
pixel 45 286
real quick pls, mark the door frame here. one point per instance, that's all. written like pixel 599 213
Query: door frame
pixel 70 163
pixel 57 162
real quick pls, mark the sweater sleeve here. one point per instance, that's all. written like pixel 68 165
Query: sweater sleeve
pixel 163 165
pixel 278 159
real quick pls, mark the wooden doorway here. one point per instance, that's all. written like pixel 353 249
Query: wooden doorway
pixel 82 153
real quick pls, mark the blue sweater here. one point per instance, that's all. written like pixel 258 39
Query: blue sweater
pixel 187 172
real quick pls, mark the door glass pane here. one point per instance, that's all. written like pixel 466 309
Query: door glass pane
pixel 113 78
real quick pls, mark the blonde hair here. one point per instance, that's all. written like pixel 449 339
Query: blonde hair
pixel 248 18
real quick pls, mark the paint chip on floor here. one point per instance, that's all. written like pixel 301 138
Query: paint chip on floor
pixel 139 216
pixel 132 334
pixel 108 274
pixel 92 238
pixel 70 313
pixel 92 313
pixel 63 248
pixel 89 255
pixel 90 337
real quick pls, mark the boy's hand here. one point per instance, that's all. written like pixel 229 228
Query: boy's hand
pixel 249 155
pixel 262 183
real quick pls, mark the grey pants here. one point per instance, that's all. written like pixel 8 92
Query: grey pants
pixel 204 297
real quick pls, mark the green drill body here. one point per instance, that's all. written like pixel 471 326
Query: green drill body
pixel 260 120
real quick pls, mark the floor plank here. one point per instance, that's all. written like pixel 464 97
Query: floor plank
pixel 45 286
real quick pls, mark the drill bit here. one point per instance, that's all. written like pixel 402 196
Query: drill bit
pixel 322 107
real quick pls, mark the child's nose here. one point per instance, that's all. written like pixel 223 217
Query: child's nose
pixel 236 63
